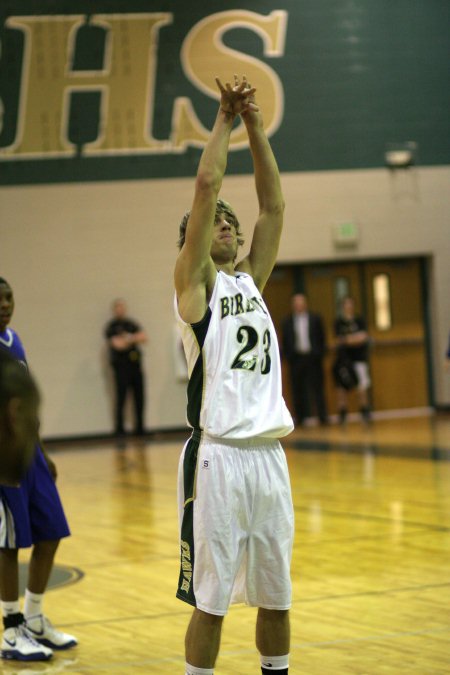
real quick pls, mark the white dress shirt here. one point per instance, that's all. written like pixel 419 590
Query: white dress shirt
pixel 301 326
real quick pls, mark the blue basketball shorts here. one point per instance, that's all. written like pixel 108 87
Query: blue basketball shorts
pixel 33 511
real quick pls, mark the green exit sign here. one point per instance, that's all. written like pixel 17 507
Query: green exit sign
pixel 346 234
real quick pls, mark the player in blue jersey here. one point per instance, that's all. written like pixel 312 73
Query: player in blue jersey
pixel 31 515
pixel 236 513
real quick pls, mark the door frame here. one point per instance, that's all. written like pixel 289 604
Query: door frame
pixel 425 267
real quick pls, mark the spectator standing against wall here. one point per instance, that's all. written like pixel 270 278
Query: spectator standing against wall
pixel 303 346
pixel 353 348
pixel 124 336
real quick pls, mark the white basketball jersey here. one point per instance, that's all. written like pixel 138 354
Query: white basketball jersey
pixel 234 388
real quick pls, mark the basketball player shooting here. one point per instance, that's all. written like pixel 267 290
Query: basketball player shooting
pixel 236 514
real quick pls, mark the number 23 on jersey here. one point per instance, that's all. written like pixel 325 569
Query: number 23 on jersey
pixel 248 337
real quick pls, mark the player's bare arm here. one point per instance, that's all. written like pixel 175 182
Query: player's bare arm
pixel 266 238
pixel 195 271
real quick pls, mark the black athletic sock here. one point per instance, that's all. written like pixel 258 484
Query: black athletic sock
pixel 269 671
pixel 13 620
pixel 365 413
pixel 342 415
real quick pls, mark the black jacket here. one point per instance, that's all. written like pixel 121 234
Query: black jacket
pixel 316 336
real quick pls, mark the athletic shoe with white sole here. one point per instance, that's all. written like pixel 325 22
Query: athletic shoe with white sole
pixel 40 629
pixel 19 646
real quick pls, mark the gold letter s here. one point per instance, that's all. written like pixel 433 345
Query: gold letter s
pixel 204 56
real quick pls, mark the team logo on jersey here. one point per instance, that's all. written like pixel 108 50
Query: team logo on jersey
pixel 231 305
pixel 249 364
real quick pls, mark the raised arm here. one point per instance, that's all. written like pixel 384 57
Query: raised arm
pixel 266 238
pixel 194 270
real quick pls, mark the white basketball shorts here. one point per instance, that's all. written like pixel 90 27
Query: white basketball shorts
pixel 362 372
pixel 236 524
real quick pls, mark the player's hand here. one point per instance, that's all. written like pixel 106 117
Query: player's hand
pixel 238 99
pixel 252 106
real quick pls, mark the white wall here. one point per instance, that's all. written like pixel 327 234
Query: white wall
pixel 68 250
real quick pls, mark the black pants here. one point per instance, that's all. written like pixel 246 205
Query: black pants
pixel 128 376
pixel 308 387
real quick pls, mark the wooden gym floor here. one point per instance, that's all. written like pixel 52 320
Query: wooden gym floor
pixel 371 564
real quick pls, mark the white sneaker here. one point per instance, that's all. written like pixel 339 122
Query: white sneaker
pixel 40 629
pixel 18 645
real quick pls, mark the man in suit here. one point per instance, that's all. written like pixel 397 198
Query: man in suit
pixel 303 346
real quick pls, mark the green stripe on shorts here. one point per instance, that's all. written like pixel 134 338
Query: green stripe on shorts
pixel 185 590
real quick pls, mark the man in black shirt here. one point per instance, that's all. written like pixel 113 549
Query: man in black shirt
pixel 353 344
pixel 124 337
